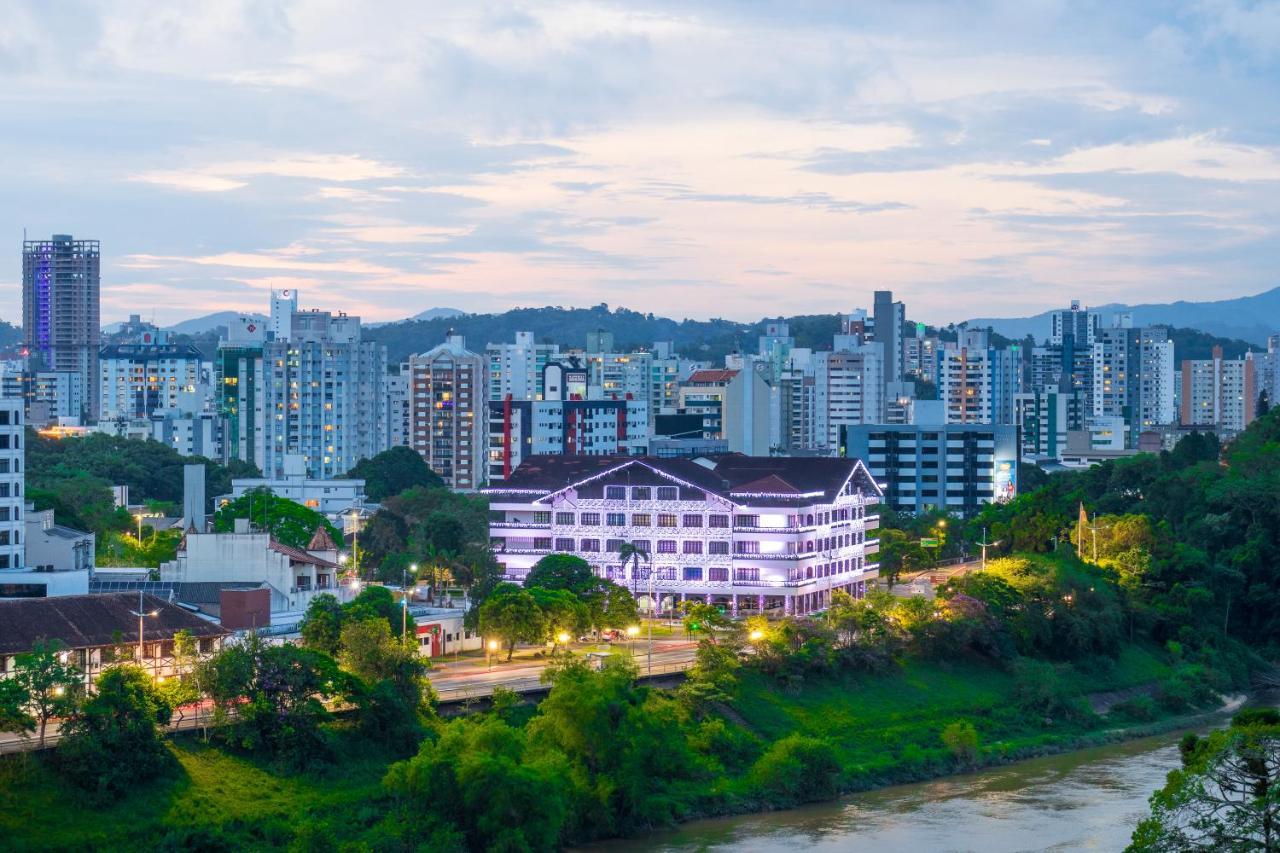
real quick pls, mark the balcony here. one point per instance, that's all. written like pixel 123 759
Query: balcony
pixel 520 525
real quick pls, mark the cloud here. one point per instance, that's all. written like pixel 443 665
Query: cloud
pixel 713 157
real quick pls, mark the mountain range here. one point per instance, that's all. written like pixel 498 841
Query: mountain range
pixel 1249 318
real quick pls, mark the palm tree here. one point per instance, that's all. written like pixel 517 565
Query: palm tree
pixel 630 553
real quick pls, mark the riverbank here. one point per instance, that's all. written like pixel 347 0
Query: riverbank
pixel 881 730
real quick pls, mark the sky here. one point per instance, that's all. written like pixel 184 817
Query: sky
pixel 736 159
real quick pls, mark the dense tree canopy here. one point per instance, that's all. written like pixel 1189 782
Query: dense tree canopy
pixel 289 522
pixel 393 472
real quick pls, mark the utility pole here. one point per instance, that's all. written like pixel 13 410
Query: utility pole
pixel 652 616
pixel 985 545
pixel 404 609
pixel 1093 528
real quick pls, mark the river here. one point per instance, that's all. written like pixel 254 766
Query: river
pixel 1086 800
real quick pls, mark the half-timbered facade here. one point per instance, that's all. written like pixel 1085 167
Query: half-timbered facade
pixel 749 533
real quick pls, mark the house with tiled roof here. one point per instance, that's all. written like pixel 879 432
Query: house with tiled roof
pixel 97 631
pixel 746 532
pixel 247 555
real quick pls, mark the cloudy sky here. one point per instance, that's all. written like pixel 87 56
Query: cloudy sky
pixel 737 159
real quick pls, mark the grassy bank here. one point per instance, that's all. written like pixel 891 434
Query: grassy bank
pixel 882 729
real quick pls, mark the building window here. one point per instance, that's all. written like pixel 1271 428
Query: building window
pixel 746 574
pixel 746 547
pixel 589 519
pixel 564 518
pixel 747 521
pixel 717 574
pixel 668 493
pixel 613 546
pixel 641 545
pixel 667 519
pixel 717 521
pixel 542 518
pixel 640 493
pixel 718 547
pixel 692 573
pixel 641 519
pixel 666 546
pixel 692 546
pixel 564 545
pixel 542 544
pixel 615 493
pixel 616 519
pixel 692 520
pixel 591 546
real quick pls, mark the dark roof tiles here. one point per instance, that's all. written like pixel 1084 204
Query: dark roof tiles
pixel 88 621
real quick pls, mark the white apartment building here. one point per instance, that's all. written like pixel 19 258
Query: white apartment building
pixel 1133 376
pixel 324 391
pixel 849 390
pixel 331 498
pixel 751 533
pixel 137 379
pixel 448 418
pixel 734 404
pixel 12 465
pixel 516 369
pixel 1219 393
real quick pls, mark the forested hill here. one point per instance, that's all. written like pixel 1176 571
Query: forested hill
pixel 703 339
pixel 708 340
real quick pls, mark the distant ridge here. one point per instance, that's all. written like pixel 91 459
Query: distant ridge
pixel 429 314
pixel 209 322
pixel 1249 318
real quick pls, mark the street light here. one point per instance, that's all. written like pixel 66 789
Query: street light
pixel 141 614
pixel 563 639
pixel 490 648
pixel 633 631
pixel 756 635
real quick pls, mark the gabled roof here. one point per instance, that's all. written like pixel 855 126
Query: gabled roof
pixel 743 480
pixel 88 621
pixel 297 555
pixel 321 540
pixel 713 375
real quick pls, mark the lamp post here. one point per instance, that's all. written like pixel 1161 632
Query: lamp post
pixel 563 639
pixel 490 648
pixel 633 631
pixel 142 614
pixel 985 545
pixel 404 609
pixel 652 616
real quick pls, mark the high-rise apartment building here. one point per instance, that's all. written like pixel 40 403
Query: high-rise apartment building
pixel 61 282
pixel 324 390
pixel 1219 393
pixel 137 379
pixel 11 484
pixel 516 369
pixel 978 382
pixel 448 415
pixel 849 389
pixel 1075 326
pixel 1133 376
pixel 1046 416
pixel 889 318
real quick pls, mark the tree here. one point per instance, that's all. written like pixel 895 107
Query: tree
pixel 630 553
pixel 50 682
pixel 390 688
pixel 112 742
pixel 377 601
pixel 511 614
pixel 290 523
pixel 14 701
pixel 1226 795
pixel 899 553
pixel 562 571
pixel 562 613
pixel 321 626
pixel 274 694
pixel 394 471
pixel 610 605
pixel 702 617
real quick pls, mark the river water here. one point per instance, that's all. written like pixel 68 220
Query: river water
pixel 1087 800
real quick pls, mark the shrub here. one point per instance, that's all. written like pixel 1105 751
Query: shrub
pixel 798 769
pixel 962 739
pixel 1187 687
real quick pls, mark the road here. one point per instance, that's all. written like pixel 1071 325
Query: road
pixel 458 681
pixel 470 679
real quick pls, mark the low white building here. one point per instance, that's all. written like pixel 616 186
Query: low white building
pixel 294 575
pixel 751 533
pixel 327 497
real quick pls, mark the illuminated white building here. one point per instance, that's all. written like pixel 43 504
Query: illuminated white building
pixel 749 533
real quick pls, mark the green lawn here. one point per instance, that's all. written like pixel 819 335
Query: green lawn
pixel 214 794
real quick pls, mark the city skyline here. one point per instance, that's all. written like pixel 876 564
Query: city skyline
pixel 647 154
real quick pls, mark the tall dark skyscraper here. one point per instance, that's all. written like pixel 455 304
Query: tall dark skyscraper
pixel 888 317
pixel 61 283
